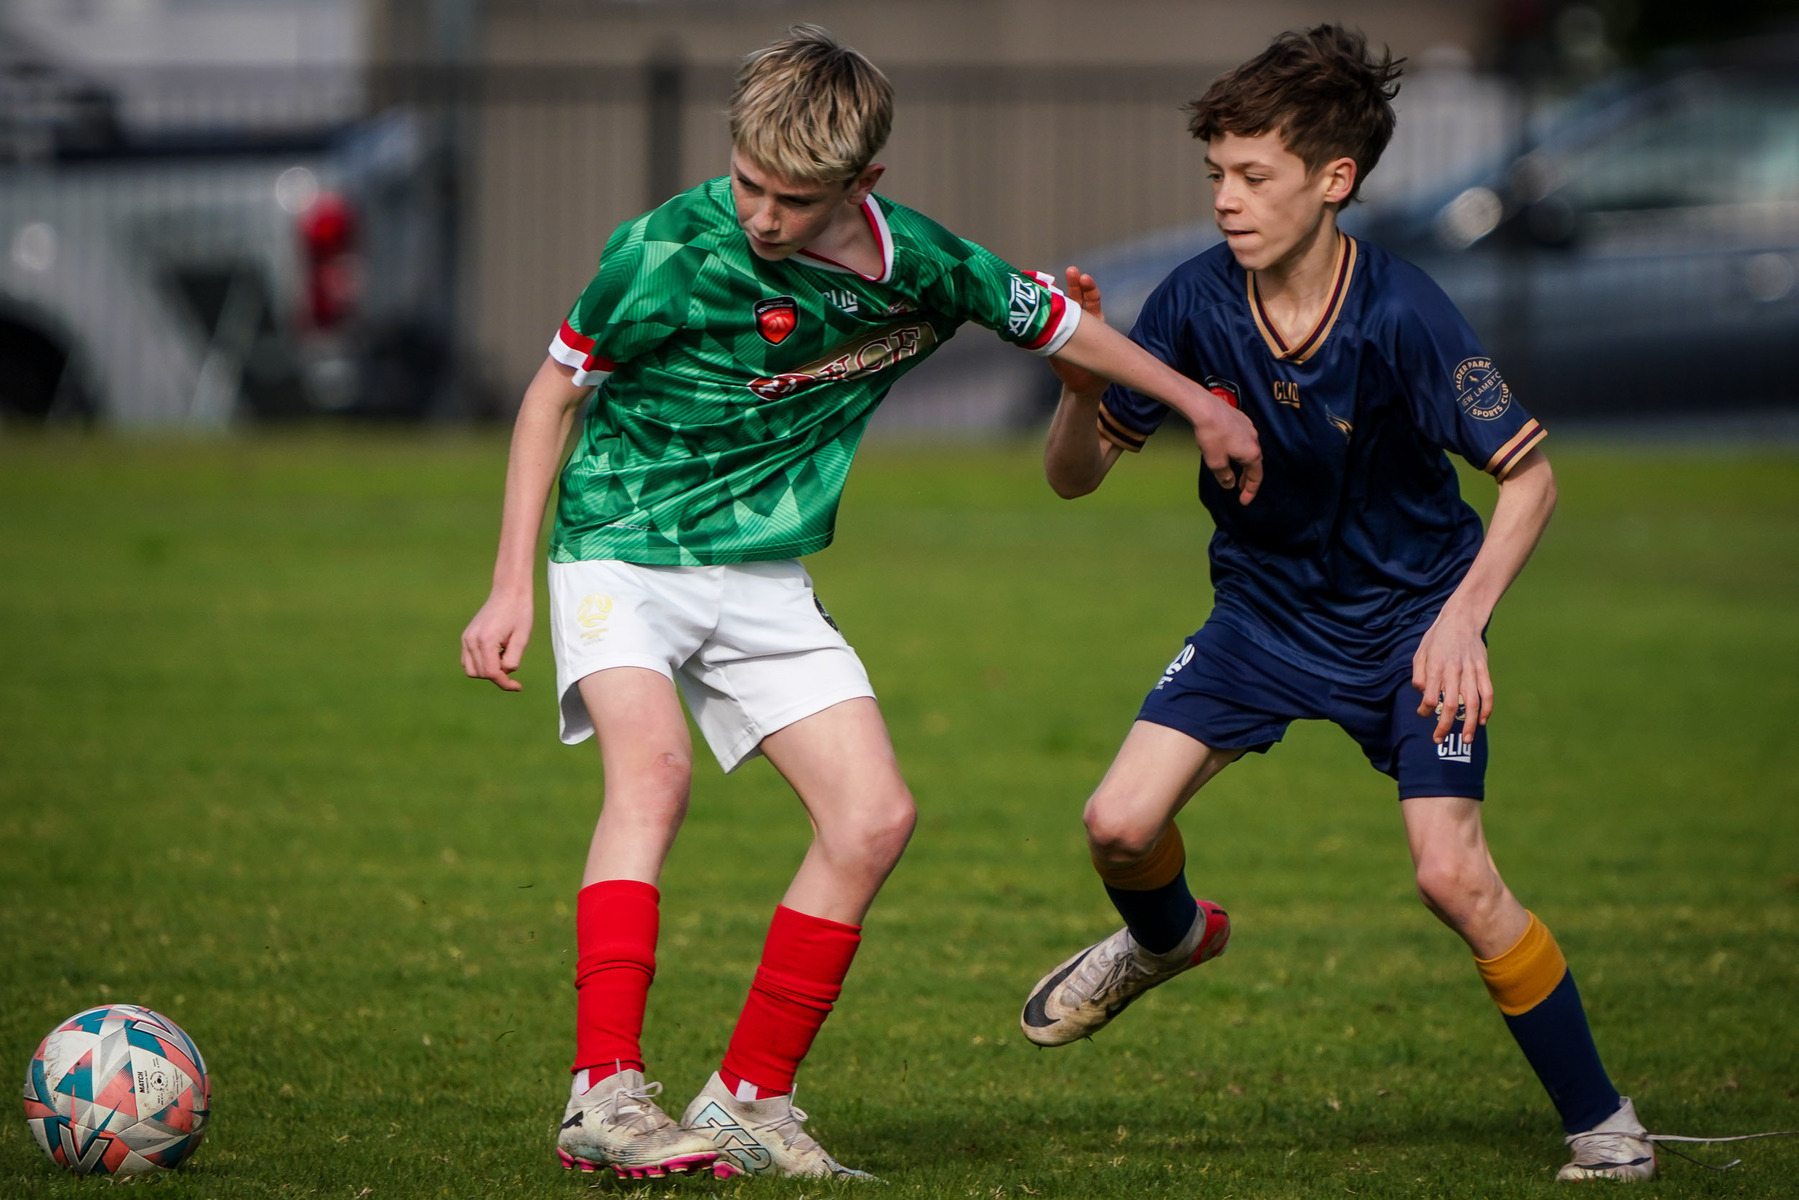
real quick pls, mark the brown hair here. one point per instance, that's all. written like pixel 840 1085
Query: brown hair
pixel 1319 88
pixel 810 108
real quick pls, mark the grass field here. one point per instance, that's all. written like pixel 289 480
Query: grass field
pixel 242 781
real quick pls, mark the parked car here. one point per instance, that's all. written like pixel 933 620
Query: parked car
pixel 199 280
pixel 1641 256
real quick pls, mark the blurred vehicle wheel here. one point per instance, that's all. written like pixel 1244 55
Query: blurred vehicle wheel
pixel 36 382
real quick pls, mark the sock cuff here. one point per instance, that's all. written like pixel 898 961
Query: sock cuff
pixel 1522 977
pixel 600 900
pixel 1159 868
pixel 799 923
pixel 616 923
pixel 803 946
pixel 820 994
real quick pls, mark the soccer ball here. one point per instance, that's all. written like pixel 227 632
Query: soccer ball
pixel 117 1090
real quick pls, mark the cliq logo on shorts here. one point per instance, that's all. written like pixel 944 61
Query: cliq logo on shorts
pixel 591 615
pixel 1174 668
pixel 1454 749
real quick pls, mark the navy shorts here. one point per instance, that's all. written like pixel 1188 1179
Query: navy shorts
pixel 1231 694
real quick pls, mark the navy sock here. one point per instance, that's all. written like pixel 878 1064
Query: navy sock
pixel 1158 918
pixel 1555 1039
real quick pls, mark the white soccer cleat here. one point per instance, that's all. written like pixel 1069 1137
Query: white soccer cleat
pixel 616 1124
pixel 1081 995
pixel 1616 1148
pixel 760 1137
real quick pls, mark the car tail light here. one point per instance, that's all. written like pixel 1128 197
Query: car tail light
pixel 333 278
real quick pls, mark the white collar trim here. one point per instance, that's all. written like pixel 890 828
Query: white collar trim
pixel 877 221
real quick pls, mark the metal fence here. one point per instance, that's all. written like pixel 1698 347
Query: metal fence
pixel 1036 165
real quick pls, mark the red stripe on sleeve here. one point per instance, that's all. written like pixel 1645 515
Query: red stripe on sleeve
pixel 1058 308
pixel 573 340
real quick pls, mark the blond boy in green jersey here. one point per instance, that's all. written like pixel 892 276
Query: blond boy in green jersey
pixel 741 334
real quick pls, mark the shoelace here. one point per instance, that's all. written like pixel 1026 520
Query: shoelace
pixel 643 1118
pixel 1660 1138
pixel 1104 970
pixel 1609 1145
pixel 788 1126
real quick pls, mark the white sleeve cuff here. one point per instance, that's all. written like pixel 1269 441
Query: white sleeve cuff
pixel 568 356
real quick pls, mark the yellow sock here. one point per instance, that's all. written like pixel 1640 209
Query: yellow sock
pixel 1166 859
pixel 1522 977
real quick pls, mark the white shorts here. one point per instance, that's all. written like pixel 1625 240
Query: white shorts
pixel 748 644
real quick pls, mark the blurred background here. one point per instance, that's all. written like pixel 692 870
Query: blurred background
pixel 220 213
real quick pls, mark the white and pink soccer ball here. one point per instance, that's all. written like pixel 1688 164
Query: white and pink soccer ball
pixel 117 1090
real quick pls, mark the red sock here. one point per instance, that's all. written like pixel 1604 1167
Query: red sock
pixel 615 936
pixel 801 976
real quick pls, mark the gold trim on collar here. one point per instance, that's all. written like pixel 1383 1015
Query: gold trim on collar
pixel 1345 270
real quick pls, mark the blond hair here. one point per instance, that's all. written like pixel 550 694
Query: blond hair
pixel 809 108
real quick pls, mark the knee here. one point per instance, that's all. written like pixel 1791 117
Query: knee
pixel 878 833
pixel 1114 837
pixel 656 787
pixel 890 826
pixel 1456 890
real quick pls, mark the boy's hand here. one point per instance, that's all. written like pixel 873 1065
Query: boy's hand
pixel 1085 292
pixel 1450 668
pixel 1232 451
pixel 1226 438
pixel 494 643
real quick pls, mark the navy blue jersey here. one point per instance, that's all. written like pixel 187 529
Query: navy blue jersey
pixel 1359 533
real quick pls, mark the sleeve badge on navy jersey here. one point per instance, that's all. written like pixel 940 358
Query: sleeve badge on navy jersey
pixel 1479 391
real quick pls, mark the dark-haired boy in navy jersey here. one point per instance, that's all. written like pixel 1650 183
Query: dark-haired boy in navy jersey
pixel 1356 588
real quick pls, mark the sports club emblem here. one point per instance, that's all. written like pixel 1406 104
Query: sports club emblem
pixel 776 317
pixel 1479 391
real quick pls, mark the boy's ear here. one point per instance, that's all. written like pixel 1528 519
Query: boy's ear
pixel 1339 178
pixel 864 183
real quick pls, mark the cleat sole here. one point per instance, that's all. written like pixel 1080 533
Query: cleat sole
pixel 571 1163
pixel 674 1166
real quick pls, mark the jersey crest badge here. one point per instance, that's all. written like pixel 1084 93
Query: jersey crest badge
pixel 776 317
pixel 1224 389
pixel 1479 391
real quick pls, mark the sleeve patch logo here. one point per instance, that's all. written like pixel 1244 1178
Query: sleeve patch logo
pixel 1027 298
pixel 1479 391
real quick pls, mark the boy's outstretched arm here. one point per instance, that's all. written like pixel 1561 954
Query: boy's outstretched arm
pixel 1451 662
pixel 493 645
pixel 1227 439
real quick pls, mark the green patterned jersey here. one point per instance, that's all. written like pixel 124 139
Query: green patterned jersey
pixel 734 390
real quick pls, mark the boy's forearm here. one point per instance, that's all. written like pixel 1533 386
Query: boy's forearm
pixel 1526 502
pixel 1104 351
pixel 538 438
pixel 1074 458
